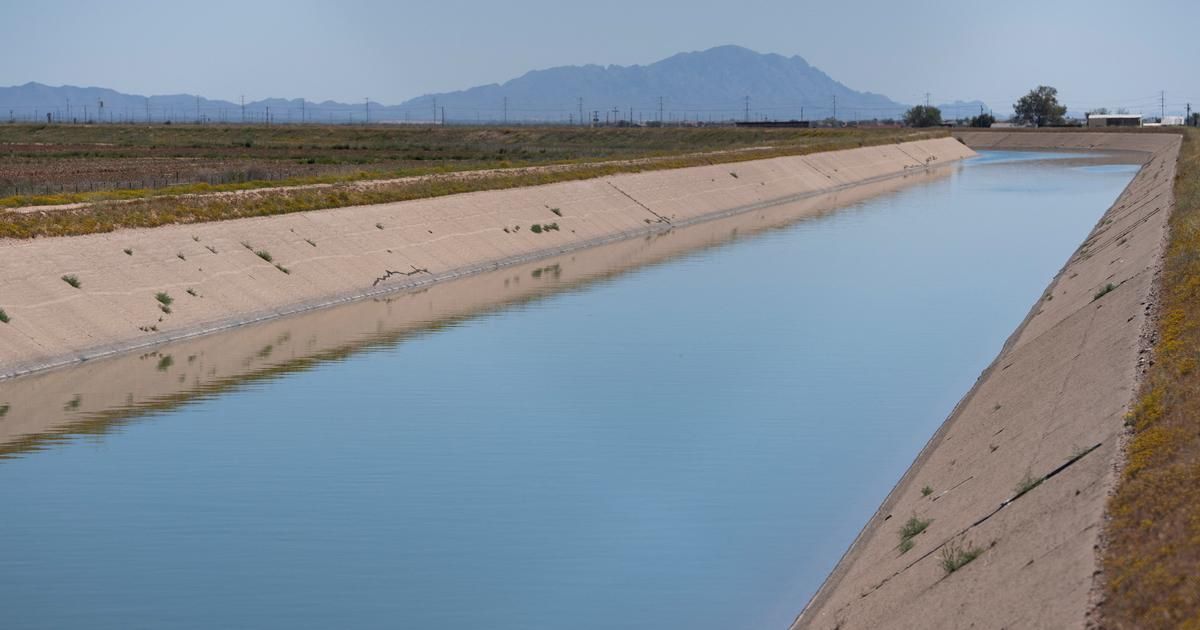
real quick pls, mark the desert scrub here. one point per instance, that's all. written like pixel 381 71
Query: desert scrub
pixel 72 280
pixel 536 228
pixel 1152 531
pixel 955 556
pixel 910 530
pixel 588 155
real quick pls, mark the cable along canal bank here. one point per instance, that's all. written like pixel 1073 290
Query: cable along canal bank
pixel 1002 509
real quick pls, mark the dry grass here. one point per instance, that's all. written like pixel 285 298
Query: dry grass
pixel 171 209
pixel 1152 562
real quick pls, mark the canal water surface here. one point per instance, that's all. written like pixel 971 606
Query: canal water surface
pixel 690 443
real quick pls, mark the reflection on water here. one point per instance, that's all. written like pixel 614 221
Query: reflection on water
pixel 589 441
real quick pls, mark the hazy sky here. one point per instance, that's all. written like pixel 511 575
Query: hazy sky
pixel 1097 52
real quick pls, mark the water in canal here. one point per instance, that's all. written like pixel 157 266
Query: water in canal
pixel 686 437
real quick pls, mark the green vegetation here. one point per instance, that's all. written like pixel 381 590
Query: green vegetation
pixel 926 491
pixel 165 363
pixel 1108 288
pixel 983 121
pixel 432 160
pixel 1040 107
pixel 72 280
pixel 536 228
pixel 557 211
pixel 4 318
pixel 1027 483
pixel 955 556
pixel 180 256
pixel 264 254
pixel 282 268
pixel 923 116
pixel 128 251
pixel 192 292
pixel 1153 533
pixel 164 298
pixel 910 530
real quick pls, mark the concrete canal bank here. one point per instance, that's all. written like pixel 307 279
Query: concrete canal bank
pixel 1004 506
pixel 78 298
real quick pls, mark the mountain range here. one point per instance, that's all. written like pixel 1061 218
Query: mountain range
pixel 722 83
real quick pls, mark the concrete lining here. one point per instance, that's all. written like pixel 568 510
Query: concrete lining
pixel 333 256
pixel 1054 400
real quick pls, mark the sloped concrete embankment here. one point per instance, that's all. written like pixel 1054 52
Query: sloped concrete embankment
pixel 1049 409
pixel 220 275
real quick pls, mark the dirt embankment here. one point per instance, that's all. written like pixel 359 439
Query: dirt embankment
pixel 1008 497
pixel 70 299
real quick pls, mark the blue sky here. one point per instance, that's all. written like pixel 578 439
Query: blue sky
pixel 1098 53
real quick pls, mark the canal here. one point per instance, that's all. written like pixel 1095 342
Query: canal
pixel 684 431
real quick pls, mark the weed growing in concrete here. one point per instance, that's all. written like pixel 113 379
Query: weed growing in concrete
pixel 4 318
pixel 379 226
pixel 733 175
pixel 264 254
pixel 1027 483
pixel 164 298
pixel 72 280
pixel 556 211
pixel 128 251
pixel 910 530
pixel 283 269
pixel 74 403
pixel 550 226
pixel 192 292
pixel 955 556
pixel 536 228
pixel 180 256
pixel 4 409
pixel 310 242
pixel 165 363
pixel 1108 288
pixel 926 491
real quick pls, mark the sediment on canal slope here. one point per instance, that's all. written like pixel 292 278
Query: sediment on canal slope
pixel 1007 498
pixel 70 299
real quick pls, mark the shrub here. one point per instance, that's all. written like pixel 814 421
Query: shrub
pixel 1108 288
pixel 164 298
pixel 556 211
pixel 956 556
pixel 264 254
pixel 4 318
pixel 910 530
pixel 536 228
pixel 926 491
pixel 1027 483
pixel 72 280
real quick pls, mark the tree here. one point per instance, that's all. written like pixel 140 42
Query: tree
pixel 1099 111
pixel 923 116
pixel 1195 122
pixel 983 120
pixel 1040 107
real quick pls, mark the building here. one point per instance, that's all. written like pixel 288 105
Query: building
pixel 1114 120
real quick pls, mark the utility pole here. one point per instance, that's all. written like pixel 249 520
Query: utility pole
pixel 927 99
pixel 581 110
pixel 147 110
pixel 835 108
pixel 801 112
pixel 243 109
pixel 303 113
pixel 1162 105
pixel 435 110
pixel 367 110
pixel 197 108
pixel 506 110
pixel 443 115
pixel 747 108
pixel 660 110
pixel 1188 119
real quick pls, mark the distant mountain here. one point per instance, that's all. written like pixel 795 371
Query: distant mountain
pixel 723 83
